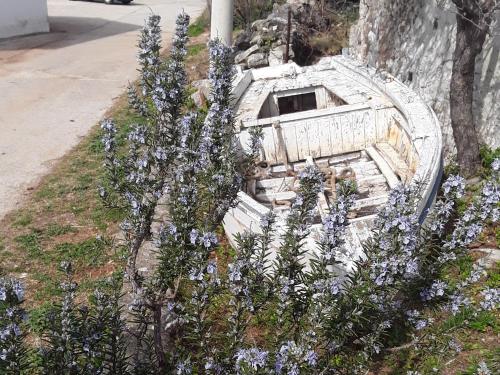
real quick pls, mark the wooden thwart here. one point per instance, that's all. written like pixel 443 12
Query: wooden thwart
pixel 395 161
pixel 384 167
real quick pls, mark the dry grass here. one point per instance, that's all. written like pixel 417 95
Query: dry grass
pixel 197 61
pixel 331 41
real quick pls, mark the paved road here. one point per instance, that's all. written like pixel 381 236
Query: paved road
pixel 54 87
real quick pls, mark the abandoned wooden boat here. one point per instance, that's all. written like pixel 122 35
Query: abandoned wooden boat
pixel 348 120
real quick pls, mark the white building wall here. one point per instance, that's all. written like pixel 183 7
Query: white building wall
pixel 18 17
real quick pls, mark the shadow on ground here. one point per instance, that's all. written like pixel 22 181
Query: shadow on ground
pixel 67 31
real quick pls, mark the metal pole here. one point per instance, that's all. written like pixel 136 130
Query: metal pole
pixel 288 31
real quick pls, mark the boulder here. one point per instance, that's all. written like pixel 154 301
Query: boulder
pixel 277 55
pixel 278 23
pixel 257 39
pixel 202 92
pixel 257 60
pixel 242 56
pixel 257 25
pixel 198 98
pixel 203 85
pixel 242 40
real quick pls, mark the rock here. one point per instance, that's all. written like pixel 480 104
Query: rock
pixel 273 60
pixel 202 85
pixel 278 23
pixel 257 25
pixel 257 60
pixel 300 2
pixel 278 43
pixel 257 39
pixel 199 99
pixel 242 41
pixel 202 92
pixel 277 55
pixel 267 37
pixel 242 56
pixel 491 257
pixel 281 11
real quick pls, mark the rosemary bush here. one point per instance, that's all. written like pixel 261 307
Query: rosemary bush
pixel 195 314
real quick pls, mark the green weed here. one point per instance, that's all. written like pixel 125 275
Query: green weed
pixel 30 243
pixel 23 220
pixel 195 49
pixel 55 229
pixel 91 252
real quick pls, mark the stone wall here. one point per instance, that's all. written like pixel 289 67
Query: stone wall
pixel 414 41
pixel 18 17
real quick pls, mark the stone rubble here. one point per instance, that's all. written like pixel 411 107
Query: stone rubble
pixel 265 43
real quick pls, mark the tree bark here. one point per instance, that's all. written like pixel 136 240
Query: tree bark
pixel 472 28
pixel 158 341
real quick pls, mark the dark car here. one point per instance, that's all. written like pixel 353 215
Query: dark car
pixel 121 1
pixel 116 1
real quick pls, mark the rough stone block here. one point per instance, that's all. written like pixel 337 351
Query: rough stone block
pixel 242 56
pixel 257 60
pixel 277 55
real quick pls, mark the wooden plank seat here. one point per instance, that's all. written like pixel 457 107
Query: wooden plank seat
pixel 395 160
pixel 384 166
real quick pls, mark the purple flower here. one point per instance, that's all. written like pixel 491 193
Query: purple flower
pixel 184 368
pixel 311 358
pixel 454 186
pixel 193 236
pixel 457 301
pixel 253 358
pixel 209 239
pixel 491 298
pixel 436 290
pixel 234 273
pixel 495 165
pixel 412 268
pixel 211 268
pixel 172 229
pixel 482 369
pixel 455 345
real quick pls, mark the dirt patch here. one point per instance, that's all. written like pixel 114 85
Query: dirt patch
pixel 197 64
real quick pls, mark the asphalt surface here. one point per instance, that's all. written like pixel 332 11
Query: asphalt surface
pixel 55 87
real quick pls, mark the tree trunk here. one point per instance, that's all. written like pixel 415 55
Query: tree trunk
pixel 471 34
pixel 158 340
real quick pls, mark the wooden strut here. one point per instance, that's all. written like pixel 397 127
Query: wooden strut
pixel 331 179
pixel 263 170
pixel 282 155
